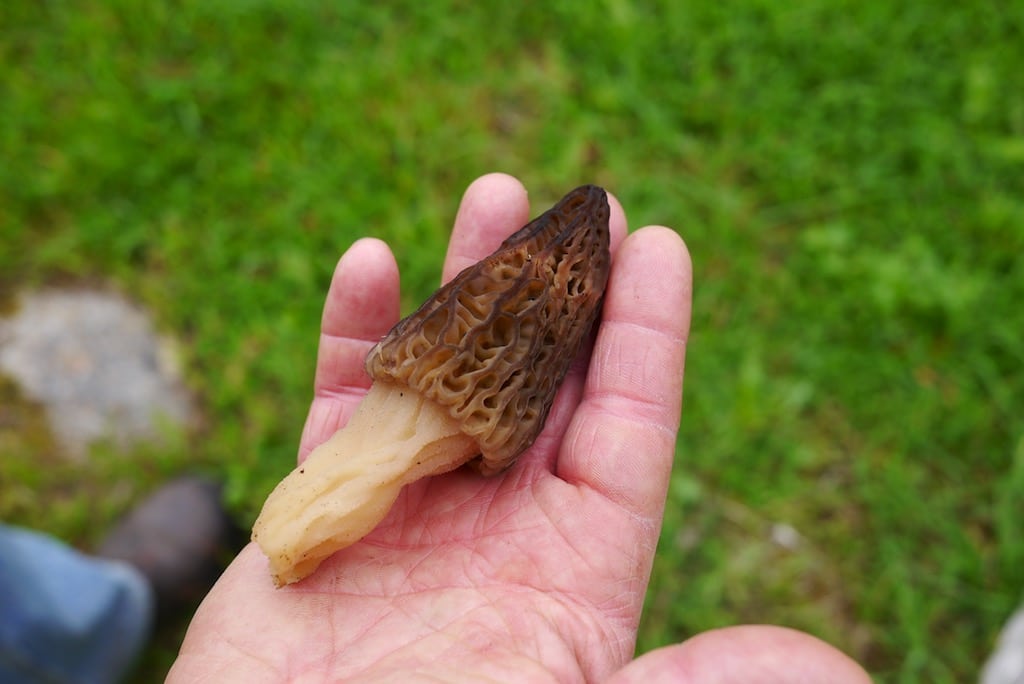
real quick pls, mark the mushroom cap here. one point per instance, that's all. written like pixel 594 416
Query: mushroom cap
pixel 493 345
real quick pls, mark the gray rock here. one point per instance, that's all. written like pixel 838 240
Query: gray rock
pixel 94 361
pixel 1006 664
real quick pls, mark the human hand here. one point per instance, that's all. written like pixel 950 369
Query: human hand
pixel 537 574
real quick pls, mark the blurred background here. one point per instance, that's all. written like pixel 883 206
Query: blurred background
pixel 849 177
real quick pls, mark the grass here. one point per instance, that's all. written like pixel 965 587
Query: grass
pixel 849 177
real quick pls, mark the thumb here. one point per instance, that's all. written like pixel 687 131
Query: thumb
pixel 764 654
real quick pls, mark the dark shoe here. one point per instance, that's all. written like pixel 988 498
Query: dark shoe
pixel 179 538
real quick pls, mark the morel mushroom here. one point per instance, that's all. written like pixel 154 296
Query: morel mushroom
pixel 467 378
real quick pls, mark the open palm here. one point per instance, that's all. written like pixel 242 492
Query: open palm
pixel 537 574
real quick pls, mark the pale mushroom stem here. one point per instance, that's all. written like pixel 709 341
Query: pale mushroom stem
pixel 347 484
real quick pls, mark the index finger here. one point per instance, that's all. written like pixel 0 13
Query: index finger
pixel 621 442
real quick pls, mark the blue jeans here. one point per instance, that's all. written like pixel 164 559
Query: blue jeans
pixel 66 616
